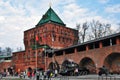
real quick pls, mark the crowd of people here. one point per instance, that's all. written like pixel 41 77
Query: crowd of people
pixel 33 74
pixel 39 74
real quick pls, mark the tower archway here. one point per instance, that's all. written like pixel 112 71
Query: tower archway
pixel 112 62
pixel 89 64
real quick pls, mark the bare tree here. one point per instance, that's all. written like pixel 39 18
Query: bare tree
pixel 19 49
pixel 99 29
pixel 82 31
pixel 8 51
pixel 118 30
pixel 78 28
pixel 93 30
pixel 0 51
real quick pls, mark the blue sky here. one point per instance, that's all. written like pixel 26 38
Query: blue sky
pixel 16 16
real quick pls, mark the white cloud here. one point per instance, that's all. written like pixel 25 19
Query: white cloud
pixel 22 15
pixel 13 23
pixel 1 44
pixel 103 1
pixel 2 33
pixel 2 19
pixel 72 13
pixel 16 18
pixel 113 9
pixel 62 2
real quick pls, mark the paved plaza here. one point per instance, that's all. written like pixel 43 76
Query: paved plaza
pixel 85 77
pixel 89 77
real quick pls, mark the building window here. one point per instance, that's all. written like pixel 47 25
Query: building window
pixel 39 53
pixel 60 39
pixel 34 54
pixel 40 39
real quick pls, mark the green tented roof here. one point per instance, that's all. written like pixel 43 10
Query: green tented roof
pixel 50 16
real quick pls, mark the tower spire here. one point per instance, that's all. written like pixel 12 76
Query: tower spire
pixel 50 16
pixel 50 4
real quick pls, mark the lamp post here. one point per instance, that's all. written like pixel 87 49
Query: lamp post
pixel 36 54
pixel 45 58
pixel 45 47
pixel 52 35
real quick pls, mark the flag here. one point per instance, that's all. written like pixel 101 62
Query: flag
pixel 36 38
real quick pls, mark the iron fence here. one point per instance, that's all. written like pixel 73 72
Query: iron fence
pixel 87 78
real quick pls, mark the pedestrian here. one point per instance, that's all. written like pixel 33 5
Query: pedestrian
pixel 45 74
pixel 21 75
pixel 51 74
pixel 56 72
pixel 33 75
pixel 24 74
pixel 28 74
pixel 48 73
pixel 76 71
